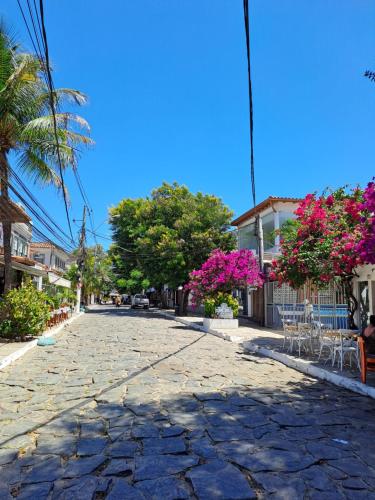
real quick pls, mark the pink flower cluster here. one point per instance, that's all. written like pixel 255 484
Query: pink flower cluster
pixel 332 236
pixel 366 246
pixel 224 272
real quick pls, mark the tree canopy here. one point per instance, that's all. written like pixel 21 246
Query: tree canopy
pixel 167 235
pixel 97 276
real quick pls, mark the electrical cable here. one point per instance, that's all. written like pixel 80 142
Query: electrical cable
pixel 36 202
pixel 36 215
pixel 45 64
pixel 52 104
pixel 247 33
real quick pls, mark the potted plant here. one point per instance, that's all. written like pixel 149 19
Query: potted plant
pixel 212 285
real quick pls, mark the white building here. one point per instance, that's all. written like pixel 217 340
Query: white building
pixel 22 264
pixel 55 260
pixel 273 212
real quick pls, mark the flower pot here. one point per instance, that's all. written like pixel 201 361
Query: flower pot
pixel 219 324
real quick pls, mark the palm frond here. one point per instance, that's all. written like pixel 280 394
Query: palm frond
pixel 63 120
pixel 370 75
pixel 68 95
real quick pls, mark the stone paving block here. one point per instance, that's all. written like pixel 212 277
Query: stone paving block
pixel 125 449
pixel 7 456
pixel 92 428
pixel 83 488
pixel 152 467
pixel 231 433
pixel 322 451
pixel 45 471
pixel 145 431
pixel 35 491
pixel 81 466
pixel 121 490
pixel 164 488
pixel 4 491
pixel 91 446
pixel 355 483
pixel 163 446
pixel 172 431
pixel 273 461
pixel 204 448
pixel 56 445
pixel 210 396
pixel 353 467
pixel 119 467
pixel 318 479
pixel 220 480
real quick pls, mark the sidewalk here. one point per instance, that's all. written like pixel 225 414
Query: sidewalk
pixel 269 343
pixel 11 351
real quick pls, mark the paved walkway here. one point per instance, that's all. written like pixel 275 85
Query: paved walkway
pixel 128 405
pixel 274 340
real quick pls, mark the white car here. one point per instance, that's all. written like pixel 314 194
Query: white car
pixel 139 300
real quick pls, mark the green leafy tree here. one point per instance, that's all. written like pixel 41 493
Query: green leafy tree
pixel 167 235
pixel 136 283
pixel 97 276
pixel 27 128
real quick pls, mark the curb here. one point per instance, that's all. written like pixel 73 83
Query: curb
pixel 11 358
pixel 225 336
pixel 298 364
pixel 305 366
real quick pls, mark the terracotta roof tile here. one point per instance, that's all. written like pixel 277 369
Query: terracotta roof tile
pixel 262 206
pixel 11 212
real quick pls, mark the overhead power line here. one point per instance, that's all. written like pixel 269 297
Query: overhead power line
pixel 38 204
pixel 247 33
pixel 37 217
pixel 40 45
pixel 53 109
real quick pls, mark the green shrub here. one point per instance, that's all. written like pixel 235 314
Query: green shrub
pixel 212 303
pixel 23 311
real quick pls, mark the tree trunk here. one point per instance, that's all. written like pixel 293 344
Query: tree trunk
pixel 351 301
pixel 7 226
pixel 183 300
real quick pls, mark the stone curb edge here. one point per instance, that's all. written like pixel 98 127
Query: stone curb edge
pixel 225 336
pixel 11 358
pixel 308 368
pixel 300 365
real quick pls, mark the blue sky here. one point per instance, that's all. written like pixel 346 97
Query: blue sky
pixel 168 95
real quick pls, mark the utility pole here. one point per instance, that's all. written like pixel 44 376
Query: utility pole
pixel 81 260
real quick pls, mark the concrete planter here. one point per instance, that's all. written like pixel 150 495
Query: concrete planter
pixel 219 324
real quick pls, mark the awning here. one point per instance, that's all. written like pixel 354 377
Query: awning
pixel 34 271
pixel 57 280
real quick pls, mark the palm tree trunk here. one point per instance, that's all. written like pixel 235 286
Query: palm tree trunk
pixel 7 226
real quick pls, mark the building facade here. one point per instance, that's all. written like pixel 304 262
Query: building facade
pixel 22 263
pixel 55 261
pixel 272 213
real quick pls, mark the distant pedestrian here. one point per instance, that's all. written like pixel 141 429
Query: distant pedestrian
pixel 118 301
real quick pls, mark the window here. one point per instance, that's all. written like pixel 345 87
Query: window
pixel 247 238
pixel 268 224
pixel 20 246
pixel 59 263
pixel 39 257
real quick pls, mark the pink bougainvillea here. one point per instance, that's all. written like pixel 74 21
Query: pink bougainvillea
pixel 366 246
pixel 224 272
pixel 321 244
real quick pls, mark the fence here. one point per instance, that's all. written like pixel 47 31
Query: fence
pixel 328 306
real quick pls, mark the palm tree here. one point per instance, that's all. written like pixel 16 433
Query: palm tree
pixel 27 127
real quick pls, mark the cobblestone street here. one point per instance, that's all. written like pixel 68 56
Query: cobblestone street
pixel 128 405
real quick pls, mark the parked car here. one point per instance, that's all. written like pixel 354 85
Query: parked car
pixel 139 300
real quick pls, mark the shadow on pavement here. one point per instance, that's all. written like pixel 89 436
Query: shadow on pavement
pixel 235 443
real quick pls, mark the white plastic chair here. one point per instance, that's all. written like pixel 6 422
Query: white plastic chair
pixel 344 346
